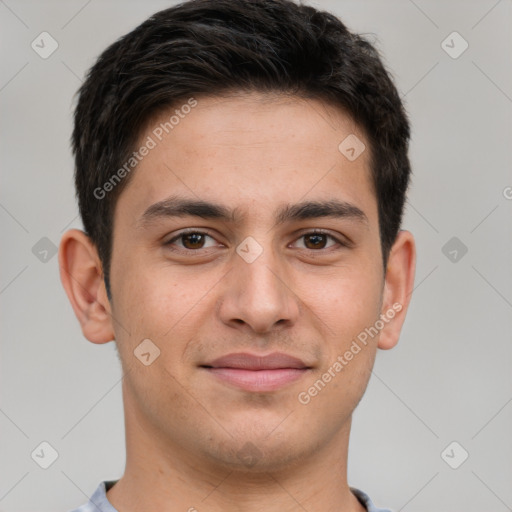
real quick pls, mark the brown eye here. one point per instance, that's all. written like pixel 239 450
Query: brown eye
pixel 318 240
pixel 191 240
pixel 315 241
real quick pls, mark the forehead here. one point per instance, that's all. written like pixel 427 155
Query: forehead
pixel 252 149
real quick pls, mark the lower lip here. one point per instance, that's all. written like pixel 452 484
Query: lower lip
pixel 258 380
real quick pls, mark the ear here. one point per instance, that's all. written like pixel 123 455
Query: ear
pixel 81 274
pixel 398 287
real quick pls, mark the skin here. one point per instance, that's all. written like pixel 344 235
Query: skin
pixel 185 429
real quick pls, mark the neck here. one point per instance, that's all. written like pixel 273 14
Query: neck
pixel 160 475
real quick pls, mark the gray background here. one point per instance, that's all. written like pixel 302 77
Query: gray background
pixel 449 378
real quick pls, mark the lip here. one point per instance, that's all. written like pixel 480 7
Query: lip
pixel 257 373
pixel 246 361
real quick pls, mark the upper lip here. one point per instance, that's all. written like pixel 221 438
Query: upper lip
pixel 246 361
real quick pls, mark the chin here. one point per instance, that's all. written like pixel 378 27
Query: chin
pixel 254 453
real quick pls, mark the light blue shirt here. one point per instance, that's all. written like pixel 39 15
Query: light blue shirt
pixel 98 502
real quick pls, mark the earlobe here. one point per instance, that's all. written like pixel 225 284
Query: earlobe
pixel 398 286
pixel 82 277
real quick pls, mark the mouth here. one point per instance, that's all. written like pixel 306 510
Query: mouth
pixel 257 373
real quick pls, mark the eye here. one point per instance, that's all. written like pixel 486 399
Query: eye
pixel 317 240
pixel 191 240
pixel 194 240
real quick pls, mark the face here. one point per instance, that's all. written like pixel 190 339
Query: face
pixel 253 299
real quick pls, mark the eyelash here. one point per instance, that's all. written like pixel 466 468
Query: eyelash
pixel 195 231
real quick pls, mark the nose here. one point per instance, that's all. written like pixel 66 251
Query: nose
pixel 258 296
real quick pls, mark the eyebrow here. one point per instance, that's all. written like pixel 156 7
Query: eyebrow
pixel 177 206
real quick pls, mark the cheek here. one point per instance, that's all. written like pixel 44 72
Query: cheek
pixel 159 303
pixel 346 303
pixel 347 308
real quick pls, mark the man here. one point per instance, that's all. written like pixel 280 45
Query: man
pixel 241 170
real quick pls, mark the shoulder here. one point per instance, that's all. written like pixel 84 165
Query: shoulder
pixel 366 501
pixel 98 502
